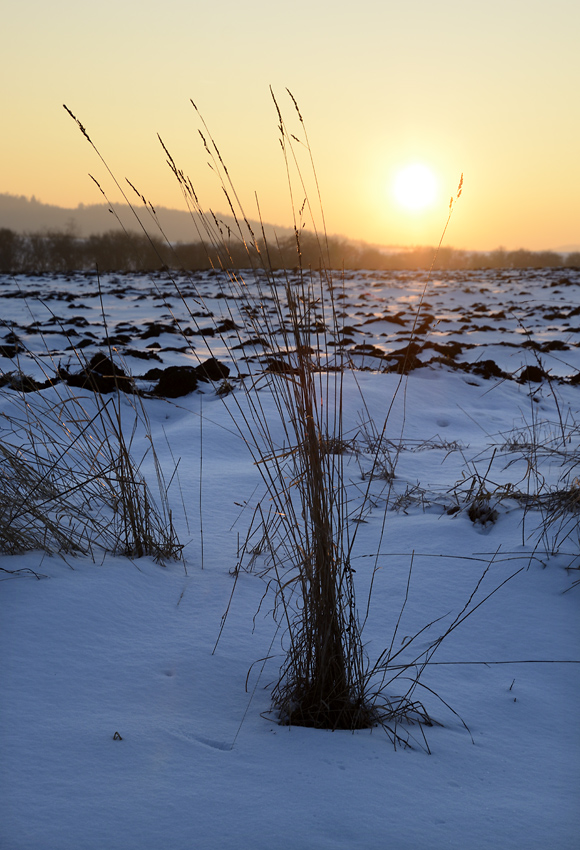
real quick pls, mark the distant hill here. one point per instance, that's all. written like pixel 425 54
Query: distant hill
pixel 27 215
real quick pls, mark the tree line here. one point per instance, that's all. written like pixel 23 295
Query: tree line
pixel 117 250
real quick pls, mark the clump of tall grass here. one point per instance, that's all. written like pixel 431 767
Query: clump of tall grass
pixel 291 320
pixel 69 482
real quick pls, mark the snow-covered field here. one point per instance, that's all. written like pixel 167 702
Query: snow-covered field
pixel 122 728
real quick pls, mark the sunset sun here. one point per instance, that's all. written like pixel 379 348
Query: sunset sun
pixel 415 187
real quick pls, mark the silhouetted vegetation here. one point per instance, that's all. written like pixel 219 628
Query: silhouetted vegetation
pixel 117 250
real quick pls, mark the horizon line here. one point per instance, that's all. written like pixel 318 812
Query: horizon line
pixel 81 205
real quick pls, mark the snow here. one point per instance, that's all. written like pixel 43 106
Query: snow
pixel 91 648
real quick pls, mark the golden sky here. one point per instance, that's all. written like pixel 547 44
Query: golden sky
pixel 490 89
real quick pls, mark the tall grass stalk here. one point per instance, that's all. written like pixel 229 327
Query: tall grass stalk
pixel 292 321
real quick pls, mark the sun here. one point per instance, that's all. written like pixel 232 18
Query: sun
pixel 415 187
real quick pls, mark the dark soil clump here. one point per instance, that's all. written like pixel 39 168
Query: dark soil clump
pixel 100 375
pixel 176 381
pixel 532 374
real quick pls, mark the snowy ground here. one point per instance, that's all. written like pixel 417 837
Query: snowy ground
pixel 95 648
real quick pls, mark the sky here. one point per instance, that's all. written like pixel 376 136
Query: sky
pixel 489 90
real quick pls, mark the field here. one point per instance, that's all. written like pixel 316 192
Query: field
pixel 136 715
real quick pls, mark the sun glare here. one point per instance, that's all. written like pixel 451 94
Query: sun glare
pixel 415 187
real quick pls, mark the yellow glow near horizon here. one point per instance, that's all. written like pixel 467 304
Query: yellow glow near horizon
pixel 415 187
pixel 422 100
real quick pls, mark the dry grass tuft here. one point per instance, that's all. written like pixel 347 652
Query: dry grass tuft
pixel 68 480
pixel 307 534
